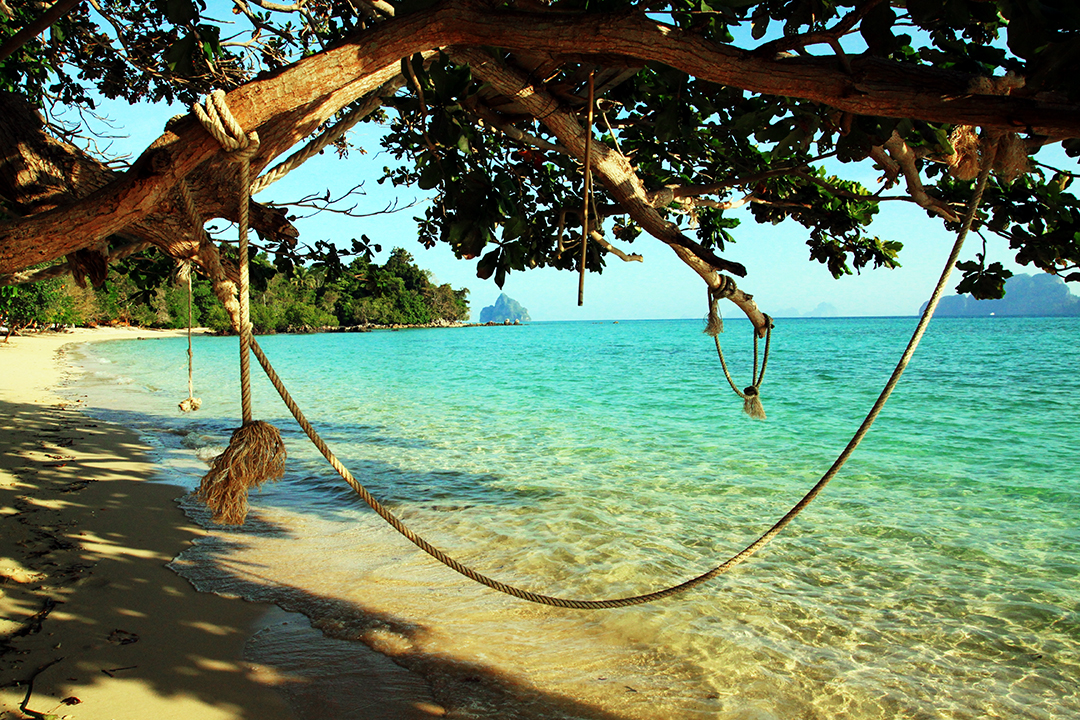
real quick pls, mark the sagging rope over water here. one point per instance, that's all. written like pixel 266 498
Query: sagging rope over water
pixel 731 562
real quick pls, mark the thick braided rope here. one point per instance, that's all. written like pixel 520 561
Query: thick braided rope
pixel 890 385
pixel 764 358
pixel 241 146
pixel 224 288
pixel 733 561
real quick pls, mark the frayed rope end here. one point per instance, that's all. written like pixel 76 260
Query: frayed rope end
pixel 255 455
pixel 190 404
pixel 752 403
pixel 714 324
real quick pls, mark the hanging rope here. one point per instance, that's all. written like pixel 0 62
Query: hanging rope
pixel 255 453
pixel 191 403
pixel 737 559
pixel 586 192
pixel 721 569
pixel 751 394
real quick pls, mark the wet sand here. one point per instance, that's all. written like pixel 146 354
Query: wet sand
pixel 93 625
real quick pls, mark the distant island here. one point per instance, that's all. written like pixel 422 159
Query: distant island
pixel 1025 296
pixel 823 310
pixel 505 309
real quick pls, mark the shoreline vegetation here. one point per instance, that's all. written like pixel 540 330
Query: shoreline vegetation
pixel 93 625
pixel 148 290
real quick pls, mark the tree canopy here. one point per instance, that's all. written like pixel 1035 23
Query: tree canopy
pixel 682 111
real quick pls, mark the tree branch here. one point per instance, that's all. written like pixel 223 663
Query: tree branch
pixel 58 10
pixel 905 158
pixel 290 104
pixel 829 37
pixel 614 169
pixel 602 242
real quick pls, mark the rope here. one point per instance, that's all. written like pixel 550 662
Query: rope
pixel 220 123
pixel 757 377
pixel 190 354
pixel 586 191
pixel 721 569
pixel 191 403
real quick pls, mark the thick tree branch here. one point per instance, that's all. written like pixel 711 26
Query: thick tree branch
pixel 58 10
pixel 290 104
pixel 614 169
pixel 618 176
pixel 905 158
pixel 39 174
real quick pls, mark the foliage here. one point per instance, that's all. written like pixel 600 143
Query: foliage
pixel 36 304
pixel 513 202
pixel 140 292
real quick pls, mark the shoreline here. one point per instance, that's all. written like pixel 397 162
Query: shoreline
pixel 93 625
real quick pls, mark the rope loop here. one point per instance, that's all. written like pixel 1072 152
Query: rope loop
pixel 725 289
pixel 219 122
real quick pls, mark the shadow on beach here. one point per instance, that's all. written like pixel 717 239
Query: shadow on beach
pixel 95 625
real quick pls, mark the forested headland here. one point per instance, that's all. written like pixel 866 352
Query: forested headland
pixel 148 291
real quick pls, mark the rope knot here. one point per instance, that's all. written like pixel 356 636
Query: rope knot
pixel 219 122
pixel 725 289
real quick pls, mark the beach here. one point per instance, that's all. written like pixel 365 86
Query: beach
pixel 937 576
pixel 93 625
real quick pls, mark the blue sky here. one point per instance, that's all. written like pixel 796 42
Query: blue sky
pixel 780 275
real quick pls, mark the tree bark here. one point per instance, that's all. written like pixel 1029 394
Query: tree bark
pixel 39 174
pixel 290 104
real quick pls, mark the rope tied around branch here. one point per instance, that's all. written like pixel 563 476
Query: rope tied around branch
pixel 255 453
pixel 714 321
pixel 714 325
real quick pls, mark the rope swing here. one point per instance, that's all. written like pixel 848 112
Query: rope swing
pixel 191 403
pixel 256 454
pixel 714 325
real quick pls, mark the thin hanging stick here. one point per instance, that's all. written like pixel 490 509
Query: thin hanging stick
pixel 587 192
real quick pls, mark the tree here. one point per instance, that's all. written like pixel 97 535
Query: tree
pixel 42 303
pixel 681 110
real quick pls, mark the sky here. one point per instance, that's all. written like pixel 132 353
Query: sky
pixel 780 276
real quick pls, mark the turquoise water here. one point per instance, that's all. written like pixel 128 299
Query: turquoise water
pixel 937 577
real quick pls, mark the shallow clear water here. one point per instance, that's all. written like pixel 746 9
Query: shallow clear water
pixel 937 577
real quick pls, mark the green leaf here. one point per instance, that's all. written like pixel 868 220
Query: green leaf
pixel 179 12
pixel 431 176
pixel 876 29
pixel 179 56
pixel 487 265
pixel 854 146
pixel 210 35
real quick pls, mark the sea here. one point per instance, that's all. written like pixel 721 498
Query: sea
pixel 938 575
